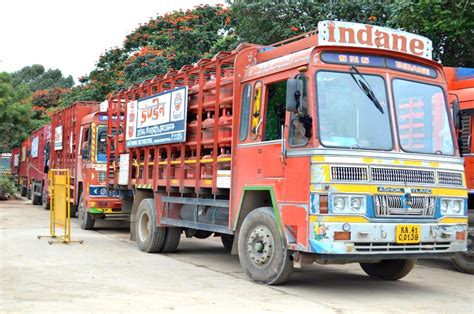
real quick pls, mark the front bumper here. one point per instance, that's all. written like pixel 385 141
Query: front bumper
pixel 380 239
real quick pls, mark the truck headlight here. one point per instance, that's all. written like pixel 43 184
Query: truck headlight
pixel 452 207
pixel 348 204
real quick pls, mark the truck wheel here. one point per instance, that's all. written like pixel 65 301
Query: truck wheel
pixel 36 200
pixel 390 269
pixel 464 261
pixel 74 209
pixel 150 237
pixel 173 235
pixel 45 200
pixel 262 254
pixel 227 241
pixel 86 221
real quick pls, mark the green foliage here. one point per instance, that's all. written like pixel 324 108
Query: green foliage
pixel 285 19
pixel 16 114
pixel 36 78
pixel 449 24
pixel 6 187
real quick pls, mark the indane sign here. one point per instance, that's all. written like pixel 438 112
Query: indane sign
pixel 334 33
pixel 158 119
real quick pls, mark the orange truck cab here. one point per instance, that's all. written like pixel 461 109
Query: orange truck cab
pixel 461 89
pixel 332 147
pixel 79 144
pixel 96 200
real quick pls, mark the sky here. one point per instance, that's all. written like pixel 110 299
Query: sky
pixel 70 35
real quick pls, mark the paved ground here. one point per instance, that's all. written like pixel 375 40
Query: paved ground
pixel 108 273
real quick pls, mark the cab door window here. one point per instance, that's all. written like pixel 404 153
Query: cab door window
pixel 300 120
pixel 101 143
pixel 275 111
pixel 86 145
pixel 256 111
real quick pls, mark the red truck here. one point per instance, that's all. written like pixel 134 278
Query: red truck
pixel 78 143
pixel 37 161
pixel 332 147
pixel 23 168
pixel 461 88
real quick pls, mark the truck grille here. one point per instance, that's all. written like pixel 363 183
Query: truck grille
pixel 102 175
pixel 393 205
pixel 349 173
pixel 402 175
pixel 450 178
pixel 378 247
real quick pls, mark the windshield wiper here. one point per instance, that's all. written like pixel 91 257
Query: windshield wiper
pixel 365 87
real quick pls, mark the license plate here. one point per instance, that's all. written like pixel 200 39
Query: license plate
pixel 408 234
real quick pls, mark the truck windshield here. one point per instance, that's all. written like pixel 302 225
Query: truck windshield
pixel 347 117
pixel 422 118
pixel 101 143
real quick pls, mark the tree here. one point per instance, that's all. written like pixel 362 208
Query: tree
pixel 16 114
pixel 36 78
pixel 449 24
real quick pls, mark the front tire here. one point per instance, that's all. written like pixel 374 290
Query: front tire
pixel 150 237
pixel 464 261
pixel 86 221
pixel 262 254
pixel 391 269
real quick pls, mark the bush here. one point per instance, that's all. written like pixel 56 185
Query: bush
pixel 6 188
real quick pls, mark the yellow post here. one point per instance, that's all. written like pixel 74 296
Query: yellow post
pixel 60 200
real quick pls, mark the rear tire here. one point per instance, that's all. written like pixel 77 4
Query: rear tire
pixel 86 221
pixel 391 269
pixel 150 237
pixel 45 201
pixel 262 254
pixel 173 235
pixel 74 209
pixel 37 199
pixel 227 241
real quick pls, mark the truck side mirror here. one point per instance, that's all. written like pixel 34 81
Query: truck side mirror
pixel 294 92
pixel 456 114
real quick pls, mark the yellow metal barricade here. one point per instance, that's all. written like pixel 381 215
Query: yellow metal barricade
pixel 60 200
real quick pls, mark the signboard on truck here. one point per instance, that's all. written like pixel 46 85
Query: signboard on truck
pixel 34 147
pixel 16 160
pixel 337 33
pixel 58 138
pixel 158 119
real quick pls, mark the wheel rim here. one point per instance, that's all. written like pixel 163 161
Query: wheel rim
pixel 144 227
pixel 260 246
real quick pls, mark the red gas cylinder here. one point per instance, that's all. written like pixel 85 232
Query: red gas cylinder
pixel 206 167
pixel 225 125
pixel 192 133
pixel 208 128
pixel 193 97
pixel 190 168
